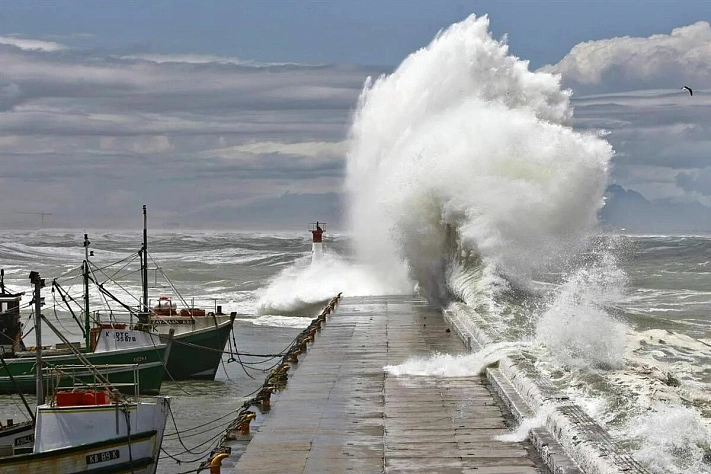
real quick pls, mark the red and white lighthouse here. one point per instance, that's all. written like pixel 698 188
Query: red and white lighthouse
pixel 317 229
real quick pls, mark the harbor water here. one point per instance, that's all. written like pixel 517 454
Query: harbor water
pixel 653 398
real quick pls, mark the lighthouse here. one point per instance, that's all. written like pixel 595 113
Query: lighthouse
pixel 317 229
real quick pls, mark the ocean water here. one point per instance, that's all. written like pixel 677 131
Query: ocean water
pixel 466 176
pixel 467 183
pixel 265 278
pixel 657 307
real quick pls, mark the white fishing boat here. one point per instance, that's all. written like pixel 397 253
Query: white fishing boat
pixel 16 437
pixel 88 428
pixel 89 432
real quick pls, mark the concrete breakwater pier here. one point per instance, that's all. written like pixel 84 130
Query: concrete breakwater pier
pixel 342 412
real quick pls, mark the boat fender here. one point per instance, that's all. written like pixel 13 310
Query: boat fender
pixel 211 314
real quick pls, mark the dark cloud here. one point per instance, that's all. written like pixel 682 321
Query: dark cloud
pixel 10 96
pixel 696 181
pixel 90 135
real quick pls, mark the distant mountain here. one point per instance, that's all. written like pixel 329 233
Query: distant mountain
pixel 627 209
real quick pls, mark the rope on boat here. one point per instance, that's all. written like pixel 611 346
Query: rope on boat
pixel 231 353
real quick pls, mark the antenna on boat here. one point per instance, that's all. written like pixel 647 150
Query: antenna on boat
pixel 2 281
pixel 144 263
pixel 87 339
pixel 38 283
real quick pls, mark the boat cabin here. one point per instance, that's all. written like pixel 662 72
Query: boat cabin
pixel 165 307
pixel 10 325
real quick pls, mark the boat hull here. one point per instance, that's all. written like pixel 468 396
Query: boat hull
pixel 148 362
pixel 94 439
pixel 196 354
pixel 19 436
pixel 79 458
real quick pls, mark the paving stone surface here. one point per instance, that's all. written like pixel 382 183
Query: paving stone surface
pixel 341 412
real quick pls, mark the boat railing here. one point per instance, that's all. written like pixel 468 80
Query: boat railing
pixel 82 379
pixel 179 316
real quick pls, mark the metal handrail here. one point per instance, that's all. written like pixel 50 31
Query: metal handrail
pixel 78 374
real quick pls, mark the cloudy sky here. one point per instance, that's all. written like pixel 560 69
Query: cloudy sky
pixel 233 114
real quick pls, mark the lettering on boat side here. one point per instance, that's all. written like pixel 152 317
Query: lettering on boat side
pixel 103 456
pixel 22 440
pixel 123 337
pixel 173 322
pixel 140 359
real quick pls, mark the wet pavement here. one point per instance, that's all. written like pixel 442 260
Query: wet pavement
pixel 341 412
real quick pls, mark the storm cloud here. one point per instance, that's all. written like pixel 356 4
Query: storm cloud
pixel 631 89
pixel 90 137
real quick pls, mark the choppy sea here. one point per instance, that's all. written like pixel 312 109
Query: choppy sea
pixel 652 392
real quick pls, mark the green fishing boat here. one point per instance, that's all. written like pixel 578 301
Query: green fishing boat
pixel 19 373
pixel 198 343
pixel 139 359
pixel 200 335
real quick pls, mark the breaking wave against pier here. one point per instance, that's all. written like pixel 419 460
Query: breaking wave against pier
pixel 466 178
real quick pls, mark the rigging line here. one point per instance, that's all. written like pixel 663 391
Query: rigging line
pixel 165 362
pixel 222 361
pixel 266 356
pixel 197 433
pixel 168 280
pixel 210 447
pixel 127 414
pixel 119 285
pixel 12 379
pixel 180 461
pixel 241 364
pixel 32 328
pixel 112 277
pixel 60 291
pixel 131 256
pixel 110 295
pixel 77 353
pixel 68 272
pixel 221 417
pixel 54 308
pixel 56 284
pixel 67 308
pixel 177 431
pixel 88 266
pixel 70 284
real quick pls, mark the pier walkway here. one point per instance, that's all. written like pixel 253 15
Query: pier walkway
pixel 340 411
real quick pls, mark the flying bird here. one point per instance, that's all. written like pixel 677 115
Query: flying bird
pixel 688 89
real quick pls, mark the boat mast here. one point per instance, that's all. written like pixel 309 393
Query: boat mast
pixel 87 338
pixel 38 283
pixel 144 261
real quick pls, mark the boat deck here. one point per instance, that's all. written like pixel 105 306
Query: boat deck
pixel 341 412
